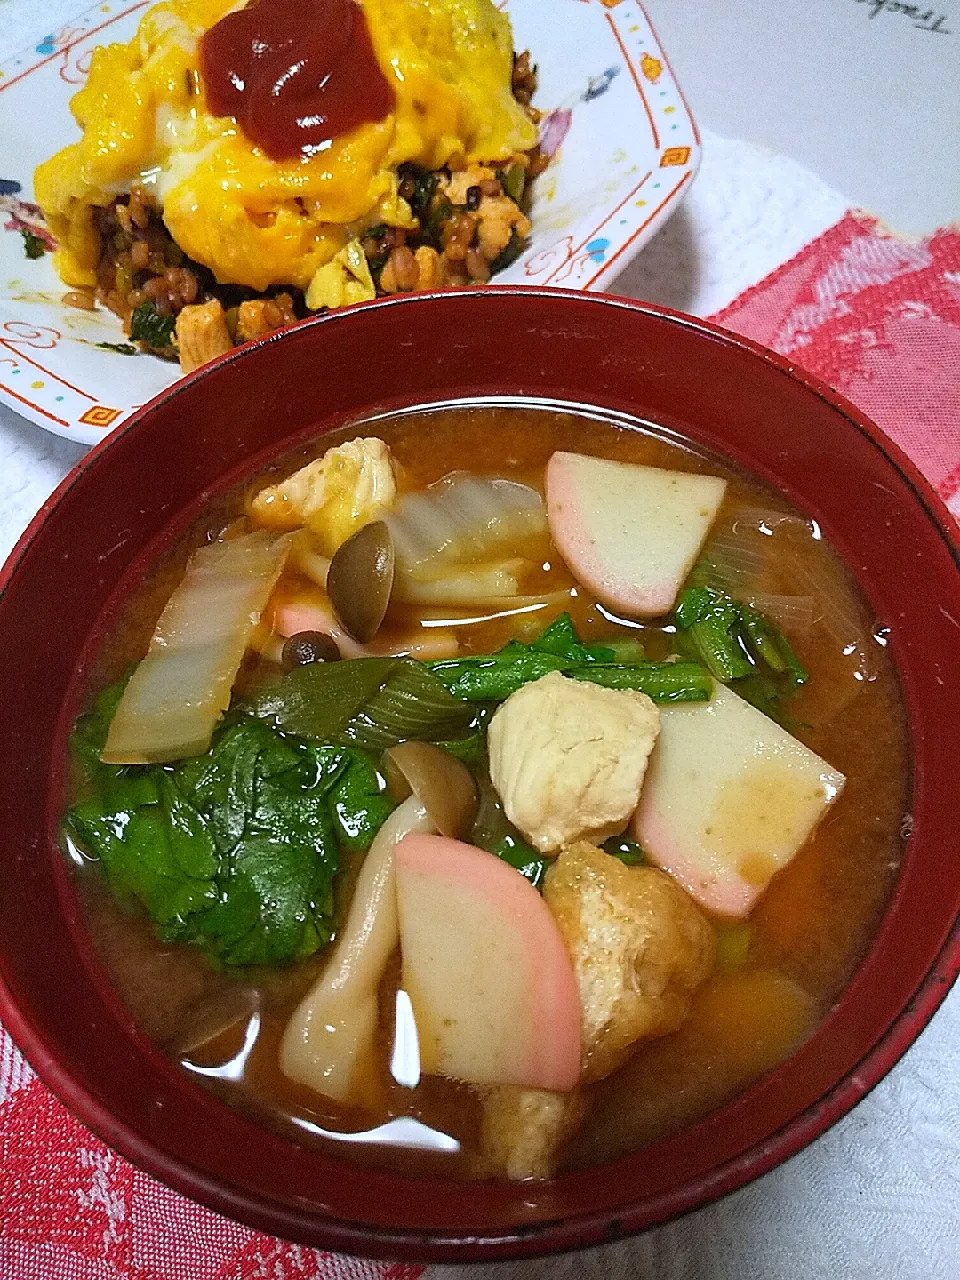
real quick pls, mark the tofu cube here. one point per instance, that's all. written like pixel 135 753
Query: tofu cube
pixel 628 532
pixel 728 800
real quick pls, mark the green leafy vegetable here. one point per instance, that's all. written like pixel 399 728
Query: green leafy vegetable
pixel 33 246
pixel 366 702
pixel 626 849
pixel 147 325
pixel 358 802
pixel 661 681
pixel 235 850
pixel 509 254
pixel 121 348
pixel 740 647
pixel 493 678
pixel 561 638
pixel 625 650
pixel 513 180
pixel 493 831
pixel 471 750
pixel 515 851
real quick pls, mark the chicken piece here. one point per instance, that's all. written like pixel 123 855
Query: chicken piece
pixel 202 334
pixel 497 218
pixel 259 316
pixel 522 1131
pixel 640 948
pixel 431 268
pixel 334 496
pixel 460 183
pixel 567 758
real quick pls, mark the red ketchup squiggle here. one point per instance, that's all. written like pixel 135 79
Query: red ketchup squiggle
pixel 295 74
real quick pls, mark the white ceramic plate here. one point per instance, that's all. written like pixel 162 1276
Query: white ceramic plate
pixel 625 152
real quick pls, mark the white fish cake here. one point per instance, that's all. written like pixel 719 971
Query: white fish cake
pixel 628 532
pixel 728 800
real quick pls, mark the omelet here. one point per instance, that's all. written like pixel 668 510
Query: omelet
pixel 257 221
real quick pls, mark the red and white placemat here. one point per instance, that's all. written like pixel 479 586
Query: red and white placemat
pixel 877 317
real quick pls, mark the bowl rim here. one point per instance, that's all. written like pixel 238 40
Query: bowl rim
pixel 592 1227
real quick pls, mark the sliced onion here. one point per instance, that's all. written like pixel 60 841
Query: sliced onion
pixel 764 520
pixel 177 694
pixel 839 613
pixel 307 560
pixel 465 584
pixel 739 559
pixel 795 614
pixel 731 561
pixel 464 518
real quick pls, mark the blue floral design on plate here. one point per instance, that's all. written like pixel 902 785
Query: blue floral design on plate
pixel 598 85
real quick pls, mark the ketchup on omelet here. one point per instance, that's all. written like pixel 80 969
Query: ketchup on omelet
pixel 294 73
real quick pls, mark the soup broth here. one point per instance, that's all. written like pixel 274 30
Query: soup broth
pixel 776 973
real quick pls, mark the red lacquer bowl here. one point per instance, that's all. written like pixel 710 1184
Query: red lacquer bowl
pixel 103 527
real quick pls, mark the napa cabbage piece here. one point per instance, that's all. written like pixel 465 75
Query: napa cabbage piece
pixel 176 695
pixel 466 539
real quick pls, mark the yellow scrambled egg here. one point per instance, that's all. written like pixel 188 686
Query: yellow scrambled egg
pixel 251 219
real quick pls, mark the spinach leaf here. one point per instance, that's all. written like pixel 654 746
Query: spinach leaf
pixel 234 851
pixel 629 852
pixel 493 831
pixel 739 646
pixel 147 325
pixel 358 801
pixel 561 638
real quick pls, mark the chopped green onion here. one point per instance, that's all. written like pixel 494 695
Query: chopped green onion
pixel 365 702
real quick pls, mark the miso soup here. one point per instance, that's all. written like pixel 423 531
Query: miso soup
pixel 655 838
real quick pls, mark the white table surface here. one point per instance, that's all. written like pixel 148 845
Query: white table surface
pixel 878 1196
pixel 864 92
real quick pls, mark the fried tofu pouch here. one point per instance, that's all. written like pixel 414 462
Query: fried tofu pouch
pixel 640 948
